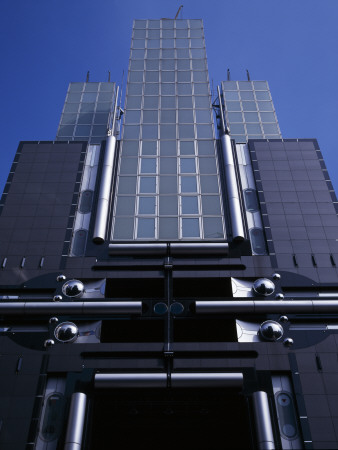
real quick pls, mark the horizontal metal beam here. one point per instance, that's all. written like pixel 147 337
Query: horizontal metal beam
pixel 81 308
pixel 266 306
pixel 161 249
pixel 161 380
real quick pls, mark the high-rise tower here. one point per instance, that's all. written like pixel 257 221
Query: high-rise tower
pixel 176 283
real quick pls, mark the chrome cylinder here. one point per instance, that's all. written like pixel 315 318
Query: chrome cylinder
pixel 76 420
pixel 265 439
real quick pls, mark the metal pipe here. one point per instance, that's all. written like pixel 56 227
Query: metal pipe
pixel 213 380
pixel 263 421
pixel 199 248
pixel 232 188
pixel 180 248
pixel 160 380
pixel 76 421
pixel 266 306
pixel 103 204
pixel 138 249
pixel 81 308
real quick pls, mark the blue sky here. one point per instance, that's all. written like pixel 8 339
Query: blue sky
pixel 47 43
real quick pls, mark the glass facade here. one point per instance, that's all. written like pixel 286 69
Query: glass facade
pixel 250 113
pixel 86 112
pixel 168 185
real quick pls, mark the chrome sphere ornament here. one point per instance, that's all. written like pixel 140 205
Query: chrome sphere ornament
pixel 288 342
pixel 48 343
pixel 283 319
pixel 61 278
pixel 66 332
pixel 276 276
pixel 279 296
pixel 263 286
pixel 57 298
pixel 53 320
pixel 73 288
pixel 271 331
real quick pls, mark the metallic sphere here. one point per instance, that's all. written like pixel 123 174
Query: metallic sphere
pixel 283 319
pixel 288 342
pixel 57 298
pixel 271 331
pixel 263 286
pixel 66 332
pixel 61 278
pixel 73 288
pixel 49 343
pixel 53 320
pixel 279 296
pixel 276 276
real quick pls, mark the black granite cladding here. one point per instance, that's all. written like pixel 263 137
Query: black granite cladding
pixel 299 206
pixel 36 207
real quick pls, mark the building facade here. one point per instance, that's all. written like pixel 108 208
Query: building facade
pixel 175 285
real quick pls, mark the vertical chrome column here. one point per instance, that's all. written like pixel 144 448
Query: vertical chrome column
pixel 263 421
pixel 103 204
pixel 76 420
pixel 231 180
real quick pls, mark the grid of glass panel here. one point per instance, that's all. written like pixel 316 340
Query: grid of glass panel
pixel 86 111
pixel 168 180
pixel 250 113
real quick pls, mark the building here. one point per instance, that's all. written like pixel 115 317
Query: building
pixel 177 286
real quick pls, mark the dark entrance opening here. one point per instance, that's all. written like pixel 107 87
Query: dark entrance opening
pixel 193 419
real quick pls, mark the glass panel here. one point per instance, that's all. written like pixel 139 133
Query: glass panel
pixel 201 89
pixel 125 206
pixel 230 85
pixel 153 53
pixel 253 128
pixel 262 95
pixel 168 89
pixel 245 85
pixel 148 185
pixel 196 43
pixel 168 205
pixel 149 131
pixel 168 116
pixel 189 205
pixel 86 201
pixel 195 23
pixel 257 241
pixel 168 102
pixel 168 77
pixel 135 88
pixel 182 43
pixel 268 117
pixel 196 33
pixel 66 130
pixel 101 118
pixel 153 43
pixel 181 23
pixel 187 165
pixel 247 95
pixel 148 165
pixel 167 131
pixel 201 76
pixel 134 102
pixel 168 228
pixel 107 87
pixel 151 64
pixel 150 102
pixel 251 201
pixel 83 130
pixel 237 128
pixel 249 106
pixel 188 184
pixel 185 102
pixel 183 76
pixel 140 23
pixel 203 116
pixel 99 130
pixel 151 89
pixel 235 117
pixel 184 89
pixel 213 228
pixel 190 228
pixel 71 107
pixel 131 131
pixel 231 95
pixel 187 148
pixel 167 148
pixel 202 102
pixel 138 43
pixel 233 106
pixel 147 205
pixel 168 166
pixel 181 33
pixel 124 228
pixel 168 185
pixel 167 43
pixel 265 106
pixel 204 132
pixel 149 147
pixel 183 64
pixel 129 148
pixel 168 64
pixel 206 148
pixel 151 76
pixel 270 128
pixel 153 24
pixel 260 85
pixel 199 64
pixel 76 87
pixel 150 116
pixel 183 53
pixel 251 117
pixel 207 165
pixel 137 54
pixel 168 23
pixel 209 184
pixel 87 118
pixel 153 33
pixel 71 118
pixel 127 185
pixel 186 131
pixel 185 116
pixel 101 107
pixel 211 205
pixel 239 138
pixel 197 53
pixel 139 33
pixel 74 98
pixel 105 97
pixel 133 117
pixel 168 33
pixel 168 53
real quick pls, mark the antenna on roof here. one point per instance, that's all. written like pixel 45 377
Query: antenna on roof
pixel 108 76
pixel 87 77
pixel 248 75
pixel 228 74
pixel 179 9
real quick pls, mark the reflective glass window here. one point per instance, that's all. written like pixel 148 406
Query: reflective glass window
pixel 168 33
pixel 150 116
pixel 168 184
pixel 189 205
pixel 185 116
pixel 235 117
pixel 167 131
pixel 207 165
pixel 184 88
pixel 270 128
pixel 167 148
pixel 204 131
pixel 101 118
pixel 268 117
pixel 168 64
pixel 76 87
pixel 203 116
pixel 147 205
pixel 190 227
pixel 186 131
pixel 128 166
pixel 213 228
pixel 251 201
pixel 127 185
pixel 149 131
pixel 71 118
pixel 71 107
pixel 151 88
pixel 181 33
pixel 153 43
pixel 74 98
pixel 168 43
pixel 237 128
pixel 149 102
pixel 199 64
pixel 200 76
pixel 206 148
pixel 153 53
pixel 125 206
pixel 262 95
pixel 260 85
pixel 211 205
pixel 168 102
pixel 148 165
pixel 181 24
pixel 138 43
pixel 134 102
pixel 100 107
pixel 147 185
pixel 196 43
pixel 135 88
pixel 99 130
pixel 132 117
pixel 168 228
pixel 230 85
pixel 247 95
pixel 202 102
pixel 87 118
pixel 123 228
pixel 139 33
pixel 197 33
pixel 136 64
pixel 86 201
pixel 130 148
pixel 145 228
pixel 168 53
pixel 201 89
pixel 209 184
pixel 257 241
pixel 168 88
pixel 188 184
pixel 187 148
pixel 187 165
pixel 168 116
pixel 151 76
pixel 249 106
pixel 265 106
pixel 168 205
pixel 231 95
pixel 245 85
pixel 168 77
pixel 83 130
pixel 149 148
pixel 105 97
pixel 137 54
pixel 168 23
pixel 251 117
pixel 140 23
pixel 151 64
pixel 131 132
pixel 153 34
pixel 253 128
pixel 168 166
pixel 183 64
pixel 233 106
pixel 184 102
pixel 91 87
pixel 183 76
pixel 183 53
pixel 153 24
